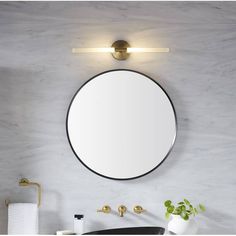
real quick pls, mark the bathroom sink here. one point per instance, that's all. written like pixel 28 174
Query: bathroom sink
pixel 130 231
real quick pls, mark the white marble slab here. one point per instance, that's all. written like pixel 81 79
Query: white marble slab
pixel 39 76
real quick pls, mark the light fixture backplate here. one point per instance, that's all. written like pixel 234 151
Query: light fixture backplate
pixel 120 47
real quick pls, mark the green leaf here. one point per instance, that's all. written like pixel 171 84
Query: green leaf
pixel 190 207
pixel 181 203
pixel 186 202
pixel 183 208
pixel 202 207
pixel 177 211
pixel 184 216
pixel 190 213
pixel 170 209
pixel 167 203
pixel 167 215
pixel 195 210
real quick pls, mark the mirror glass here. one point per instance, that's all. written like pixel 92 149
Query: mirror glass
pixel 121 124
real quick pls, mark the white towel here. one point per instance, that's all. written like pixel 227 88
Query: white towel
pixel 22 218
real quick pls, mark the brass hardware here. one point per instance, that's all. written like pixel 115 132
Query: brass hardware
pixel 120 47
pixel 138 209
pixel 25 182
pixel 105 209
pixel 122 209
pixel 120 50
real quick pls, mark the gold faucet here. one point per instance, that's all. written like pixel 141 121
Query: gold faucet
pixel 122 209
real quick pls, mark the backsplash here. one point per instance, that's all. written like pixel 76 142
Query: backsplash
pixel 39 76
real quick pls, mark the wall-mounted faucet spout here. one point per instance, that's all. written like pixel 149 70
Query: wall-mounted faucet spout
pixel 122 209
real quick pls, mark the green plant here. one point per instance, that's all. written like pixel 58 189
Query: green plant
pixel 184 209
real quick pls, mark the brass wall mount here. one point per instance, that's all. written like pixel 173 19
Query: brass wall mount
pixel 105 209
pixel 120 50
pixel 139 209
pixel 122 209
pixel 24 182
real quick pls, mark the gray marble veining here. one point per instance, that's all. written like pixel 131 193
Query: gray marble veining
pixel 39 76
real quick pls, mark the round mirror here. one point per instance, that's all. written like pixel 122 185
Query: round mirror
pixel 121 124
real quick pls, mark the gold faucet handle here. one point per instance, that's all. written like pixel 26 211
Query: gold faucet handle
pixel 122 209
pixel 139 209
pixel 105 209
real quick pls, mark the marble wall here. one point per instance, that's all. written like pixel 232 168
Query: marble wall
pixel 39 76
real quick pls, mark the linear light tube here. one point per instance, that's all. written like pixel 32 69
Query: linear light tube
pixel 94 50
pixel 144 50
pixel 112 50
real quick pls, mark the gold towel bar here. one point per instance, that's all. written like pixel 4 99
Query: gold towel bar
pixel 25 182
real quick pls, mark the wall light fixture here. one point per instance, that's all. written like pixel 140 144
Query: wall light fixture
pixel 120 50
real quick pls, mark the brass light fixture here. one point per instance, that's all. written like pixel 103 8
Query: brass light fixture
pixel 120 50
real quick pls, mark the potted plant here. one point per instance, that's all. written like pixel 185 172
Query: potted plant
pixel 182 213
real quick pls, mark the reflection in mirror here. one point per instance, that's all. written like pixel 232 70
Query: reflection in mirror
pixel 121 124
